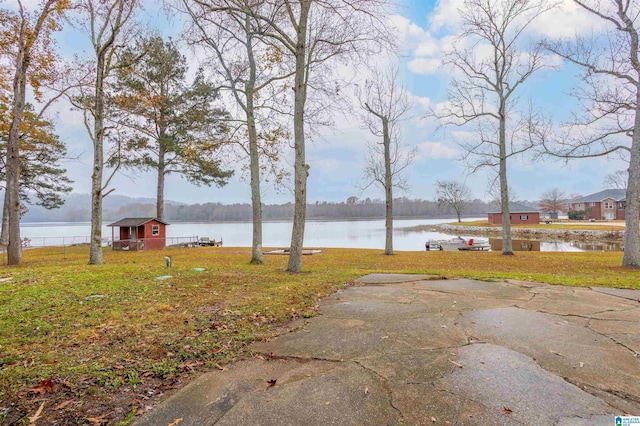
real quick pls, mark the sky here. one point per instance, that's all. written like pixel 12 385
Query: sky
pixel 425 30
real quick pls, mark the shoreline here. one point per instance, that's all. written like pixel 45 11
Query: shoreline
pixel 531 233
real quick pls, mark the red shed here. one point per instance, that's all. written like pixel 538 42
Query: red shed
pixel 139 233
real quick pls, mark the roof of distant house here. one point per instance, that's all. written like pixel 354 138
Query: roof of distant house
pixel 135 221
pixel 519 208
pixel 616 194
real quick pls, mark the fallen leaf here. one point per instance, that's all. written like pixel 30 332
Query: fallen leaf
pixel 271 382
pixel 33 419
pixel 189 366
pixel 581 364
pixel 176 422
pixel 456 364
pixel 100 420
pixel 556 353
pixel 327 403
pixel 433 419
pixel 219 367
pixel 62 405
pixel 366 391
pixel 45 386
pixel 507 410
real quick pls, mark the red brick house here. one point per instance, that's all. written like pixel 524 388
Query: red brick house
pixel 519 215
pixel 139 233
pixel 604 205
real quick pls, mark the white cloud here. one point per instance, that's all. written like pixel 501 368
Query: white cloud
pixel 409 35
pixel 425 65
pixel 566 20
pixel 421 102
pixel 446 15
pixel 434 150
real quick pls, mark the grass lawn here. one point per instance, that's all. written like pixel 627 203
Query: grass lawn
pixel 96 344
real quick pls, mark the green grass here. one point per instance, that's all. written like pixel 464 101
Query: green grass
pixel 103 330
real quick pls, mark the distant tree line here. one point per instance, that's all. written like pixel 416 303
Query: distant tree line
pixel 208 212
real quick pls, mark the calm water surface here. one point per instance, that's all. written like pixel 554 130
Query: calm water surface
pixel 342 234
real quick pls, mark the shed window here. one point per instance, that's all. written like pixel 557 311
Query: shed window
pixel 524 217
pixel 155 230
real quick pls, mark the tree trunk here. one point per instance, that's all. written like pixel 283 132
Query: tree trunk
pixel 388 189
pixel 301 169
pixel 161 177
pixel 631 256
pixel 256 199
pixel 254 155
pixel 507 246
pixel 14 249
pixel 95 248
pixel 4 234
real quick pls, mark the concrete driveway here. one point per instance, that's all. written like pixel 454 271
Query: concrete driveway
pixel 413 350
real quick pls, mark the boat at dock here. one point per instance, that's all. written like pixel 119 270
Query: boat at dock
pixel 459 243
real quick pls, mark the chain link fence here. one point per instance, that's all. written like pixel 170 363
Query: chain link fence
pixel 77 241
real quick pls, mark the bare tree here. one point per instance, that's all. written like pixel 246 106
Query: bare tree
pixel 610 93
pixel 386 104
pixel 488 75
pixel 453 194
pixel 28 38
pixel 109 25
pixel 251 72
pixel 310 33
pixel 553 201
pixel 616 180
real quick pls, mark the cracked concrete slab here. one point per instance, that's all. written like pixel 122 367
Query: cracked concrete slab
pixel 205 400
pixel 435 301
pixel 338 339
pixel 348 395
pixel 396 294
pixel 511 384
pixel 373 279
pixel 563 348
pixel 609 327
pixel 412 367
pixel 632 315
pixel 493 290
pixel 372 310
pixel 631 341
pixel 408 350
pixel 619 292
pixel 574 301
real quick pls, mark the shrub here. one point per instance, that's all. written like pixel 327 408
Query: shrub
pixel 576 214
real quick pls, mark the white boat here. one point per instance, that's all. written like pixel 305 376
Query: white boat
pixel 458 243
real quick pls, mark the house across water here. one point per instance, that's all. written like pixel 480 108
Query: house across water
pixel 518 214
pixel 604 205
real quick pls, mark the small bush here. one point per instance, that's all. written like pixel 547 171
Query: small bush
pixel 576 214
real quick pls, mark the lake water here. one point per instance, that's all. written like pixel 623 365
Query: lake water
pixel 342 234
